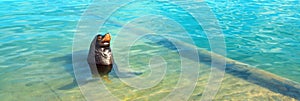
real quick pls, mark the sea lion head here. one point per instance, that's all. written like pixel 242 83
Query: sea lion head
pixel 103 40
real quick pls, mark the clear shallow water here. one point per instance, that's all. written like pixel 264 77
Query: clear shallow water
pixel 36 42
pixel 264 34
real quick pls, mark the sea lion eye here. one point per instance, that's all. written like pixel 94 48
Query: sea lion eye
pixel 99 38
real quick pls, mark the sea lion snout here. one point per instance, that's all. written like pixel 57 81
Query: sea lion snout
pixel 104 40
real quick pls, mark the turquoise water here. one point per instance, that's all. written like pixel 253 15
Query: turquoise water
pixel 36 40
pixel 264 34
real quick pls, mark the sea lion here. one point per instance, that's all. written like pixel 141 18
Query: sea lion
pixel 100 56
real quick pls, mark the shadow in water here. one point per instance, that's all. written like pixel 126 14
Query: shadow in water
pixel 68 67
pixel 117 74
pixel 251 74
pixel 67 60
pixel 235 68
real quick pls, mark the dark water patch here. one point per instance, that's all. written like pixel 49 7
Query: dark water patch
pixel 67 64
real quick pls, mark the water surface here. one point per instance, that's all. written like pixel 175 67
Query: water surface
pixel 36 46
